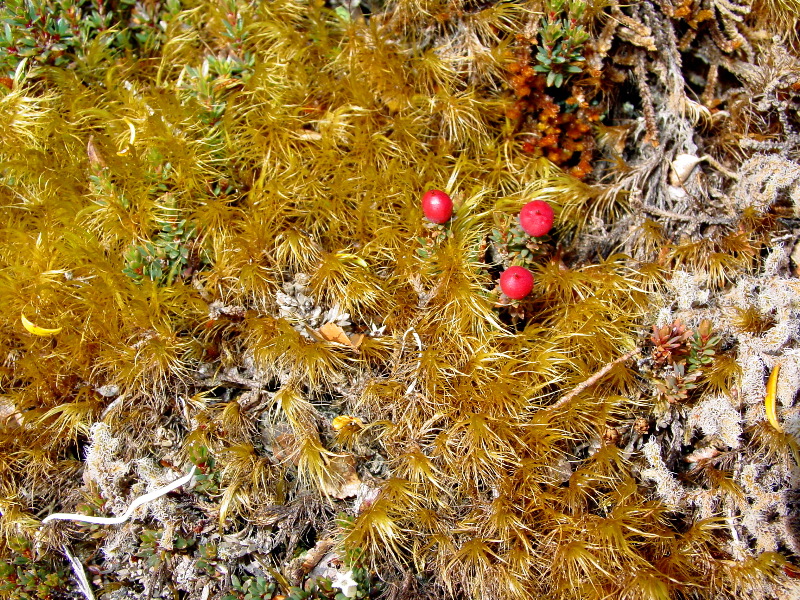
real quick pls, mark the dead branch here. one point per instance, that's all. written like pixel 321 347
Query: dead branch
pixel 592 380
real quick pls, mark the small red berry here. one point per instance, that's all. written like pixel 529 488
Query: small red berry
pixel 437 206
pixel 516 282
pixel 536 218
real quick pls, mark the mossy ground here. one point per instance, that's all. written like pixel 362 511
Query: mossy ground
pixel 213 256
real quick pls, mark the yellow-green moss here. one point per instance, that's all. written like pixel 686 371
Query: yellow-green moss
pixel 157 200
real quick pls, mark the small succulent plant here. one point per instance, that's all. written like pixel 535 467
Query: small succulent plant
pixel 703 345
pixel 682 356
pixel 669 342
pixel 163 259
pixel 677 384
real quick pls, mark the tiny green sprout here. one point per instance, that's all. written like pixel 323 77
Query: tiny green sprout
pixel 207 479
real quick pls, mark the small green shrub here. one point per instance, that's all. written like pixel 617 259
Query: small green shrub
pixel 208 554
pixel 561 41
pixel 59 32
pixel 163 259
pixel 207 478
pixel 251 588
pixel 150 547
pixel 24 578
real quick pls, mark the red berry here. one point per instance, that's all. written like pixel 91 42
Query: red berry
pixel 437 206
pixel 536 218
pixel 516 282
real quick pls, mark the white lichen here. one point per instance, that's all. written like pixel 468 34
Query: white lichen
pixel 764 509
pixel 763 177
pixel 103 469
pixel 667 486
pixel 687 289
pixel 716 416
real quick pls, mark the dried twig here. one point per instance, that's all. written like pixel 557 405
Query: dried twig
pixel 689 218
pixel 304 564
pixel 648 108
pixel 592 380
pixel 230 380
pixel 720 167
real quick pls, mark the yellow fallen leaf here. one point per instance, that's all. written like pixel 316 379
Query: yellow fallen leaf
pixel 770 399
pixel 331 332
pixel 36 330
pixel 343 421
pixel 770 404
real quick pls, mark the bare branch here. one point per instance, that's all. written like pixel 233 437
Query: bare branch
pixel 592 380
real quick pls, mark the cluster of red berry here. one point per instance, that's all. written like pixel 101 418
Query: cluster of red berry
pixel 536 219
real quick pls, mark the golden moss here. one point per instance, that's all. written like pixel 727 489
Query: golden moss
pixel 191 218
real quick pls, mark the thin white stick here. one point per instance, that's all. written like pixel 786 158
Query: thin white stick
pixel 419 356
pixel 80 574
pixel 144 499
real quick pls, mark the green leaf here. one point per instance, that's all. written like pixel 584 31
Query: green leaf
pixel 342 13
